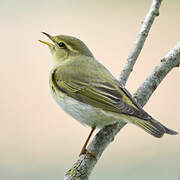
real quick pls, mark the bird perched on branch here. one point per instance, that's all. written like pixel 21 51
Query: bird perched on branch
pixel 87 91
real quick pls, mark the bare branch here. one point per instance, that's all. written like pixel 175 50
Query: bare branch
pixel 138 45
pixel 171 60
pixel 84 165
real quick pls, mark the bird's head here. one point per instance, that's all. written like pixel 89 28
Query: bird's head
pixel 65 47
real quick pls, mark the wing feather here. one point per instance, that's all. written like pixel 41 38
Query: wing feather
pixel 96 89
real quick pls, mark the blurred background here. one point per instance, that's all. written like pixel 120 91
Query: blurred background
pixel 38 141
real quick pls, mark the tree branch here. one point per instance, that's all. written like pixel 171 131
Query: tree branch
pixel 83 167
pixel 171 60
pixel 138 45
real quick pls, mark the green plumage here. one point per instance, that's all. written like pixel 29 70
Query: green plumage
pixel 78 75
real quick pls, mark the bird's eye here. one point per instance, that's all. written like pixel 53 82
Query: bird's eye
pixel 62 45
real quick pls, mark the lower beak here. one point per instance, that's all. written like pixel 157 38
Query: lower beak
pixel 47 43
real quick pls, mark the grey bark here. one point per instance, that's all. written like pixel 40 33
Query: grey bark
pixel 140 40
pixel 83 167
pixel 171 60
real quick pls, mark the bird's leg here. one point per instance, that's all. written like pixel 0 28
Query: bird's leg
pixel 84 150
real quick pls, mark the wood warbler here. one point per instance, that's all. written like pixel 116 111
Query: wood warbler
pixel 87 91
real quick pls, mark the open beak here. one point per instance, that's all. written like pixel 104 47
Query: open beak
pixel 47 43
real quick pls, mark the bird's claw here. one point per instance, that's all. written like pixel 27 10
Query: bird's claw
pixel 85 151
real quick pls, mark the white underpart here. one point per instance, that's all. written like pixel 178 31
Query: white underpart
pixel 87 114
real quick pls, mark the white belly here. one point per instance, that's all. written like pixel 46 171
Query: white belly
pixel 86 114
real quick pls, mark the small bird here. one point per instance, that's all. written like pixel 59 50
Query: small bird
pixel 87 91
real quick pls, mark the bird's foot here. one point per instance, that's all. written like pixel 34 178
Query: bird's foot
pixel 85 151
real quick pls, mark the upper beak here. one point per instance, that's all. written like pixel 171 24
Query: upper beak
pixel 48 35
pixel 47 43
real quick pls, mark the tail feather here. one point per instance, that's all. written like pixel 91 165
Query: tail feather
pixel 154 128
pixel 169 131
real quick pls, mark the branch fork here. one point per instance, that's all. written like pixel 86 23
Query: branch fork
pixel 83 167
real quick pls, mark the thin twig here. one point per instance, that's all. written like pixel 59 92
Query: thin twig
pixel 138 45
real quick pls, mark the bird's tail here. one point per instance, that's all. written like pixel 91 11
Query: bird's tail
pixel 154 128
